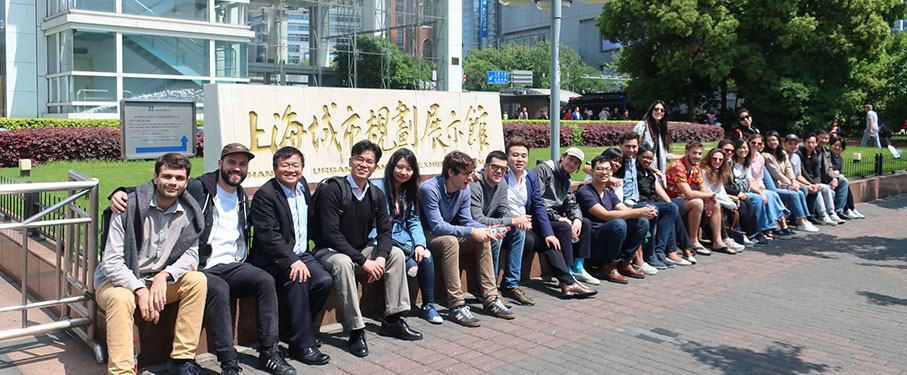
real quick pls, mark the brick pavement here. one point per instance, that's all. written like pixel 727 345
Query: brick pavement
pixel 833 302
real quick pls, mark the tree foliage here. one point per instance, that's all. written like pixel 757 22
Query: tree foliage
pixel 380 64
pixel 536 58
pixel 797 64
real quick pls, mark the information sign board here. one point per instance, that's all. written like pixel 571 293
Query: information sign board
pixel 151 128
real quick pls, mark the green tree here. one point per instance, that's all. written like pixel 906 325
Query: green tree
pixel 380 64
pixel 797 64
pixel 537 58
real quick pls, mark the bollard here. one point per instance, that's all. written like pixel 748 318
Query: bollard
pixel 878 164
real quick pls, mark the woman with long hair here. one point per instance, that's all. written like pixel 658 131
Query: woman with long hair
pixel 401 189
pixel 757 172
pixel 837 146
pixel 746 211
pixel 715 172
pixel 767 215
pixel 653 131
pixel 781 176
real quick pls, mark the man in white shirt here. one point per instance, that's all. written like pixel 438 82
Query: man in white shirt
pixel 872 127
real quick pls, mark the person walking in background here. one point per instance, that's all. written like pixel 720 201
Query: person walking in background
pixel 544 115
pixel 603 115
pixel 872 127
pixel 524 114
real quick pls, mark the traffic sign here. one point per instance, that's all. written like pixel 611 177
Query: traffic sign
pixel 498 77
pixel 522 77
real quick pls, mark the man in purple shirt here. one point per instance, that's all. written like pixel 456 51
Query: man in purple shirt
pixel 444 202
pixel 617 230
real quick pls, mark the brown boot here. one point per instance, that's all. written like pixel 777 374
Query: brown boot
pixel 609 272
pixel 626 269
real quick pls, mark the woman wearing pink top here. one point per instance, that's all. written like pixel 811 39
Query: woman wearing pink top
pixel 775 207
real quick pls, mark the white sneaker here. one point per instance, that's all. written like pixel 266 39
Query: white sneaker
pixel 689 259
pixel 859 215
pixel 747 242
pixel 808 227
pixel 646 269
pixel 586 278
pixel 733 245
pixel 849 214
pixel 825 220
pixel 835 217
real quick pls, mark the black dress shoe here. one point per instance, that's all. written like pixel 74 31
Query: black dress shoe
pixel 399 330
pixel 358 347
pixel 310 356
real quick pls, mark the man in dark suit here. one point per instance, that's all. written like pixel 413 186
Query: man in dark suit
pixel 279 216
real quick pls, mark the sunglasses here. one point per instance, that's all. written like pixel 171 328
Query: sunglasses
pixel 744 117
pixel 727 150
pixel 717 159
pixel 498 168
pixel 658 110
pixel 754 143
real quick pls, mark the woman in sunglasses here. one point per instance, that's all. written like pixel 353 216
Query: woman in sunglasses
pixel 401 189
pixel 653 132
pixel 745 127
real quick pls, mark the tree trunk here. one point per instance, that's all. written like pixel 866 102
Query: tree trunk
pixel 690 103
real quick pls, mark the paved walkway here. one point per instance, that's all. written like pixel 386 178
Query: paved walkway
pixel 834 302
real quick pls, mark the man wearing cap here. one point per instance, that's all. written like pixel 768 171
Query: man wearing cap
pixel 564 214
pixel 222 249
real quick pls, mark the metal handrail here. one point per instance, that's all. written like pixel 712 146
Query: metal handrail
pixel 76 260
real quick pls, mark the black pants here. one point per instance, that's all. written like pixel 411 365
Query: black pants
pixel 301 302
pixel 747 221
pixel 581 249
pixel 552 257
pixel 239 280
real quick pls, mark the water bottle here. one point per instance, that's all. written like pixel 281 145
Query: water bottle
pixel 503 230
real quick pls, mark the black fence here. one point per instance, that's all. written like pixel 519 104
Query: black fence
pixel 20 206
pixel 877 164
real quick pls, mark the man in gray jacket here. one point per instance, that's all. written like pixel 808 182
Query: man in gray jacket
pixel 150 260
pixel 564 213
pixel 489 207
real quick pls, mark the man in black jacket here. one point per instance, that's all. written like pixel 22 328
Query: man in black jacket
pixel 745 126
pixel 279 214
pixel 346 211
pixel 223 245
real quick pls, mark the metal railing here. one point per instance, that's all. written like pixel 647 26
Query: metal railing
pixel 76 256
pixel 877 164
pixel 22 205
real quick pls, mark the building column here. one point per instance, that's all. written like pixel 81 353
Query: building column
pixel 450 46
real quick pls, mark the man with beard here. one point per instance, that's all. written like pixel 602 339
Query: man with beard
pixel 222 251
pixel 150 260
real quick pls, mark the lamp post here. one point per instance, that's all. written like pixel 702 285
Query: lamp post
pixel 556 7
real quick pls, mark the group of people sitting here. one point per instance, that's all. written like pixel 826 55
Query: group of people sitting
pixel 191 239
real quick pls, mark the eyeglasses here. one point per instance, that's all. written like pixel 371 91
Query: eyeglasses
pixel 717 159
pixel 658 110
pixel 289 166
pixel 603 169
pixel 498 168
pixel 361 160
pixel 728 150
pixel 744 117
pixel 754 143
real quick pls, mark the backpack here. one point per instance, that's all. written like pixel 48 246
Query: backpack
pixel 346 197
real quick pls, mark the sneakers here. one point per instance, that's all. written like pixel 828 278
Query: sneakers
pixel 683 262
pixel 849 215
pixel 463 316
pixel 497 309
pixel 230 367
pixel 730 243
pixel 825 220
pixel 187 367
pixel 517 294
pixel 586 278
pixel 835 217
pixel 807 227
pixel 857 213
pixel 747 242
pixel 646 269
pixel 271 361
pixel 429 313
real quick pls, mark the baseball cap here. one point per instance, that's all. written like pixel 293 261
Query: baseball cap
pixel 236 148
pixel 791 137
pixel 577 153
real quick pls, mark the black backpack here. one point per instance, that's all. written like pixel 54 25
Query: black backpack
pixel 346 197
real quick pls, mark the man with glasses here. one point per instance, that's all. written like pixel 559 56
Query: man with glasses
pixel 489 207
pixel 344 214
pixel 745 126
pixel 444 202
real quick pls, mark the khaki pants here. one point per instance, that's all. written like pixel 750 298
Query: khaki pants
pixel 343 270
pixel 448 250
pixel 119 304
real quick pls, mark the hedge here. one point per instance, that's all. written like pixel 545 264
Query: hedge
pixel 41 123
pixel 602 133
pixel 51 144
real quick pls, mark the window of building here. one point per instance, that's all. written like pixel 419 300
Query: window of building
pixel 94 51
pixel 230 59
pixel 196 10
pixel 230 12
pixel 151 88
pixel 154 54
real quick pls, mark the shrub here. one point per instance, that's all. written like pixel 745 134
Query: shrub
pixel 603 133
pixel 41 123
pixel 51 144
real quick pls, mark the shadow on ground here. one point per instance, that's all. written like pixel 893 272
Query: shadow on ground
pixel 825 246
pixel 883 300
pixel 779 358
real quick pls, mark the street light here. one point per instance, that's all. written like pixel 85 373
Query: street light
pixel 555 6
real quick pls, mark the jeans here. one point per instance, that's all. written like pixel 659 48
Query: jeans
pixel 425 274
pixel 667 216
pixel 796 200
pixel 823 201
pixel 514 241
pixel 679 237
pixel 875 137
pixel 619 238
pixel 841 193
pixel 763 220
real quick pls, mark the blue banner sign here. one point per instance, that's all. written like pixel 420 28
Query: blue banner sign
pixel 498 77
